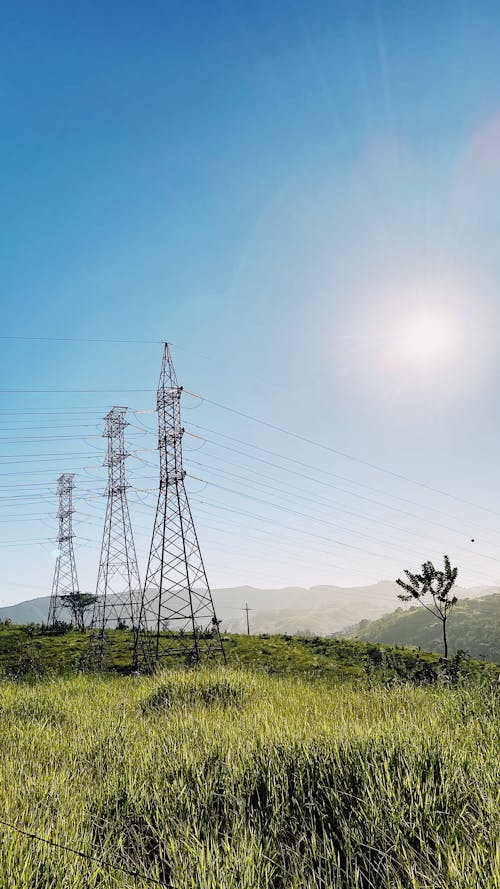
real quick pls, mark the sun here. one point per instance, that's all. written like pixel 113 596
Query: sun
pixel 410 334
pixel 429 337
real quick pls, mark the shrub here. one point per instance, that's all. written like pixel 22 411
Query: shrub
pixel 188 689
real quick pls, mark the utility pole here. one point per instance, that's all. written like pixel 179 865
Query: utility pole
pixel 177 617
pixel 118 591
pixel 247 609
pixel 65 581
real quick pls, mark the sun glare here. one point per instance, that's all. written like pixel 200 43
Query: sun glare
pixel 429 338
pixel 407 332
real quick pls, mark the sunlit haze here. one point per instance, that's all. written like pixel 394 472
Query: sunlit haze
pixel 429 338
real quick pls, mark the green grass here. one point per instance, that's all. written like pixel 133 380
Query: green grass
pixel 25 650
pixel 232 779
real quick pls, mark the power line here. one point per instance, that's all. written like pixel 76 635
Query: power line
pixel 327 503
pixel 310 466
pixel 251 456
pixel 269 425
pixel 82 455
pixel 34 439
pixel 265 543
pixel 315 518
pixel 344 454
pixel 78 339
pixel 293 553
pixel 319 520
pixel 23 542
pixel 322 501
pixel 119 868
pixel 51 411
pixel 211 358
pixel 52 426
pixel 238 412
pixel 352 531
pixel 300 531
pixel 68 391
pixel 296 530
pixel 301 474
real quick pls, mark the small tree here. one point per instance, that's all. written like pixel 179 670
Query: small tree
pixel 437 584
pixel 79 604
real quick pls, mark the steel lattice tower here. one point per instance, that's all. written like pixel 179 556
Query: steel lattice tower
pixel 177 617
pixel 65 581
pixel 118 585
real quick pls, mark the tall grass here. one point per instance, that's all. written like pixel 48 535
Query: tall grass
pixel 232 780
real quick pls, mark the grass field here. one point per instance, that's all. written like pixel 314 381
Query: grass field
pixel 26 650
pixel 231 779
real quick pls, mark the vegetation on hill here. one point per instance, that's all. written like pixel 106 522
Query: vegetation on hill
pixel 30 650
pixel 474 627
pixel 228 778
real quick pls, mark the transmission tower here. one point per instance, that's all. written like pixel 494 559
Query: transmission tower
pixel 177 619
pixel 118 592
pixel 65 581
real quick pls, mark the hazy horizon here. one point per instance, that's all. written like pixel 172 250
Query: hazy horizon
pixel 248 590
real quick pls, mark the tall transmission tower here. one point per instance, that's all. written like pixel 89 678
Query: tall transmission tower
pixel 177 619
pixel 65 581
pixel 118 592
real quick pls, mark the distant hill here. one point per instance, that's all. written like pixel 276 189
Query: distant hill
pixel 320 610
pixel 473 627
pixel 34 611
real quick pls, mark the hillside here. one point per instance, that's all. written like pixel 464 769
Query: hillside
pixel 28 650
pixel 319 610
pixel 473 627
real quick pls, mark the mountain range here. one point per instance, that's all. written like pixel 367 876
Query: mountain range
pixel 320 610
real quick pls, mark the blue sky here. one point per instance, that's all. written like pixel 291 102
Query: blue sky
pixel 281 188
